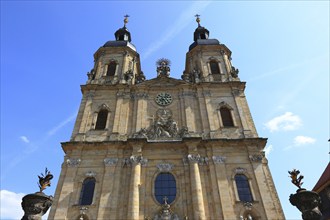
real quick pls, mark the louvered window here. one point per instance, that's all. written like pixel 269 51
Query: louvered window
pixel 101 120
pixel 214 67
pixel 243 188
pixel 111 68
pixel 87 192
pixel 227 120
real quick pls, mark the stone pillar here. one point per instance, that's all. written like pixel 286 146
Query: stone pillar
pixel 218 168
pixel 134 195
pixel 108 182
pixel 196 187
pixel 133 202
pixel 308 203
pixel 36 205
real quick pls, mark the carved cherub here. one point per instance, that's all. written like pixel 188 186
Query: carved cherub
pixel 295 179
pixel 44 180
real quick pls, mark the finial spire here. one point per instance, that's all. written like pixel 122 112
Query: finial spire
pixel 197 19
pixel 126 19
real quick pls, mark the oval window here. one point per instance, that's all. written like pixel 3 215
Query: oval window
pixel 165 188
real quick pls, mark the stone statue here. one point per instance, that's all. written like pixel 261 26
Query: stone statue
pixel 306 201
pixel 163 67
pixel 295 179
pixel 140 78
pixel 166 213
pixel 163 127
pixel 37 204
pixel 44 180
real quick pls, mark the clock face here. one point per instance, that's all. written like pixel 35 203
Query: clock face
pixel 163 98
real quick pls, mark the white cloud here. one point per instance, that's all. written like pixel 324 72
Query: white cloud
pixel 24 139
pixel 61 124
pixel 286 122
pixel 303 140
pixel 11 205
pixel 183 20
pixel 268 149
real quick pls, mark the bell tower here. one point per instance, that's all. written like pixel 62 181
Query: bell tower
pixel 208 60
pixel 117 61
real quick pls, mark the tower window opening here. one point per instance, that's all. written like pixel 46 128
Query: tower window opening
pixel 87 192
pixel 203 36
pixel 165 188
pixel 214 67
pixel 243 188
pixel 111 68
pixel 227 120
pixel 101 120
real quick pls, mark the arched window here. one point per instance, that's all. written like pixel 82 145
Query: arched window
pixel 111 68
pixel 243 188
pixel 214 67
pixel 87 191
pixel 165 188
pixel 101 120
pixel 227 120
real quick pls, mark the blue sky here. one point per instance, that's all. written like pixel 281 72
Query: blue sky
pixel 280 48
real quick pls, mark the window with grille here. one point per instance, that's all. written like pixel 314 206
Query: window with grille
pixel 214 67
pixel 243 188
pixel 87 192
pixel 165 188
pixel 111 68
pixel 101 120
pixel 227 120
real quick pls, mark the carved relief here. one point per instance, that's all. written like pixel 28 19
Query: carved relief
pixel 218 159
pixel 73 162
pixel 141 95
pixel 256 157
pixel 90 174
pixel 163 127
pixel 123 94
pixel 164 167
pixel 240 170
pixel 110 161
pixel 135 159
pixel 191 158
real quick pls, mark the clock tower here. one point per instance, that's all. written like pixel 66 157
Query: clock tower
pixel 165 148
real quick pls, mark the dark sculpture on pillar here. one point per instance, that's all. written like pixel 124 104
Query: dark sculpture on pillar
pixel 37 204
pixel 306 201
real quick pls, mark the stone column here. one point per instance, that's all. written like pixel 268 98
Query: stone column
pixel 134 195
pixel 196 187
pixel 222 184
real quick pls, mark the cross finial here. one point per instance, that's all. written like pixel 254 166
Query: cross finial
pixel 126 19
pixel 165 199
pixel 197 19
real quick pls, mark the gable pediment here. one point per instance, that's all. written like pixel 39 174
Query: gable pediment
pixel 163 82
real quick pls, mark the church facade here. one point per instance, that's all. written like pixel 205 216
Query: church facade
pixel 165 148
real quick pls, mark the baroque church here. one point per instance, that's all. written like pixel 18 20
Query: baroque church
pixel 165 148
